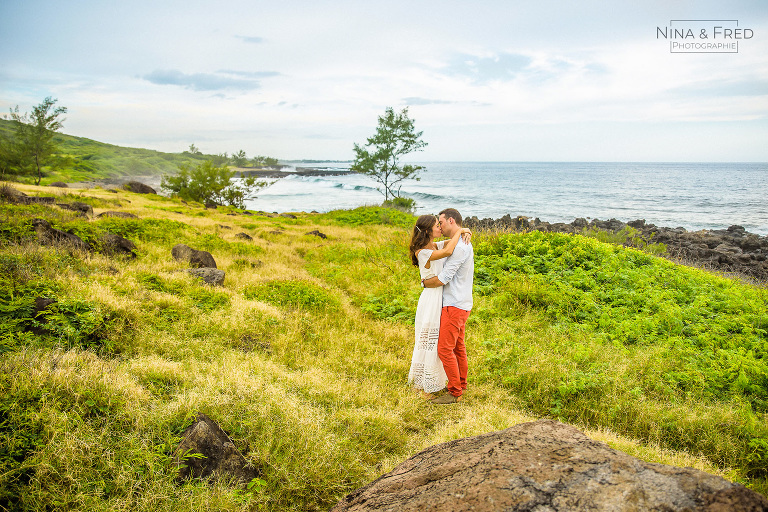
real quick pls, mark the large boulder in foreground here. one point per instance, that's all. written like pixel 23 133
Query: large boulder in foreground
pixel 544 466
pixel 197 259
pixel 213 453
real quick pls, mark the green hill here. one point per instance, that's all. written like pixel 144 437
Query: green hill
pixel 91 160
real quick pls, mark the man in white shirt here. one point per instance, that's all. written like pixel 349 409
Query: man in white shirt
pixel 456 278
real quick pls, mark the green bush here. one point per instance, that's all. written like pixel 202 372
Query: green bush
pixel 16 221
pixel 73 322
pixel 389 308
pixel 208 300
pixel 628 297
pixel 199 296
pixel 294 294
pixel 370 215
pixel 146 230
pixel 404 204
pixel 628 237
pixel 208 183
pixel 68 322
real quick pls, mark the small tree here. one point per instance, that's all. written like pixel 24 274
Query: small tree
pixel 239 159
pixel 208 184
pixel 380 157
pixel 34 134
pixel 220 159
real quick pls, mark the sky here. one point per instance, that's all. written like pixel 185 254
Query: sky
pixel 489 80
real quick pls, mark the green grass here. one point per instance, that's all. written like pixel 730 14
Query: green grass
pixel 293 294
pixel 370 216
pixel 302 355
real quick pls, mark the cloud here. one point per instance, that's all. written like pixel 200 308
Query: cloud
pixel 503 67
pixel 250 74
pixel 251 39
pixel 425 101
pixel 719 89
pixel 201 81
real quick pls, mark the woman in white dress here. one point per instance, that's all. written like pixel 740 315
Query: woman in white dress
pixel 427 373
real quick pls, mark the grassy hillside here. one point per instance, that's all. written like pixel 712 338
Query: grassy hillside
pixel 302 354
pixel 91 160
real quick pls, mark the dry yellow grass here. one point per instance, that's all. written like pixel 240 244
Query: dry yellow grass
pixel 318 399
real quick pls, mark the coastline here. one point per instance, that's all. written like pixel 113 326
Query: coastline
pixel 731 251
pixel 241 172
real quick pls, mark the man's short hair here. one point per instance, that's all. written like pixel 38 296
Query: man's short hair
pixel 452 213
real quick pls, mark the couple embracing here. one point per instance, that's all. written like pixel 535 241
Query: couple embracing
pixel 447 268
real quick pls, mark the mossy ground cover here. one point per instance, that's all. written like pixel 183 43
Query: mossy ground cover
pixel 302 355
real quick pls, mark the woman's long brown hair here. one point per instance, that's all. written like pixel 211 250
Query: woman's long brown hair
pixel 421 236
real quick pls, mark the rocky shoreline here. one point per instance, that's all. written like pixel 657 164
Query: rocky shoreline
pixel 300 171
pixel 729 251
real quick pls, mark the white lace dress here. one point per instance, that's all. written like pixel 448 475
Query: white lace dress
pixel 427 371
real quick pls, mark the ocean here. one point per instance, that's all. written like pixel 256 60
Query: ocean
pixel 690 195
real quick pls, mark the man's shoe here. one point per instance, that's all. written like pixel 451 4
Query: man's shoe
pixel 445 399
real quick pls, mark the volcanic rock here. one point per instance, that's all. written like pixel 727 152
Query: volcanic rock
pixel 117 246
pixel 41 304
pixel 318 233
pixel 543 466
pixel 85 209
pixel 220 457
pixel 198 259
pixel 48 235
pixel 124 215
pixel 22 198
pixel 211 276
pixel 139 188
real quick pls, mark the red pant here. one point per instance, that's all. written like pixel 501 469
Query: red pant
pixel 451 349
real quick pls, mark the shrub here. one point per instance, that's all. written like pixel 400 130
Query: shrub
pixel 146 230
pixel 625 296
pixel 200 297
pixel 404 204
pixel 389 308
pixel 207 183
pixel 371 215
pixel 294 294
